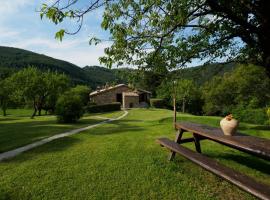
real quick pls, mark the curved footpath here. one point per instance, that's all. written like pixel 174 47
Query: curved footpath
pixel 15 152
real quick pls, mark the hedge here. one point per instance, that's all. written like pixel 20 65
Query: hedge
pixel 158 103
pixel 104 107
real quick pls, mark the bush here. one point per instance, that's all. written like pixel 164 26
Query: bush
pixel 83 91
pixel 268 114
pixel 255 116
pixel 158 103
pixel 69 108
pixel 104 107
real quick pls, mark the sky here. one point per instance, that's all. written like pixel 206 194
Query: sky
pixel 21 27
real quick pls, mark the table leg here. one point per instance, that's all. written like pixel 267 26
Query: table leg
pixel 197 143
pixel 177 140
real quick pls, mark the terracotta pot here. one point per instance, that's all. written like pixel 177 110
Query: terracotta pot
pixel 228 126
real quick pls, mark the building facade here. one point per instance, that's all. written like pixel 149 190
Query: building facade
pixel 127 96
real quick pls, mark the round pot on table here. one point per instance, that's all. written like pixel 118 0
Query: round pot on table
pixel 229 125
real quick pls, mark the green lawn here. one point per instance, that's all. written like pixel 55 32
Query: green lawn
pixel 17 129
pixel 121 160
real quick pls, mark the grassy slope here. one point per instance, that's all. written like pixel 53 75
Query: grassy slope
pixel 17 129
pixel 121 160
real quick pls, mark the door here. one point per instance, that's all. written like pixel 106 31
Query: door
pixel 119 97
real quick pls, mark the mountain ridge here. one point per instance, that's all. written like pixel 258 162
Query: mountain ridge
pixel 13 59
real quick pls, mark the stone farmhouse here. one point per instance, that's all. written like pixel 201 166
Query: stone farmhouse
pixel 127 96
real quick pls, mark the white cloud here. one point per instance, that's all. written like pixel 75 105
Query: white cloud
pixel 76 51
pixel 48 43
pixel 7 33
pixel 80 56
pixel 13 6
pixel 21 27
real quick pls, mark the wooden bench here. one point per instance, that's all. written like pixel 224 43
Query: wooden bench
pixel 253 145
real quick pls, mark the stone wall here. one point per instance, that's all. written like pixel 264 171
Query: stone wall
pixel 130 101
pixel 109 96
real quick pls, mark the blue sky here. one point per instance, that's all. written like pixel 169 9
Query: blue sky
pixel 21 26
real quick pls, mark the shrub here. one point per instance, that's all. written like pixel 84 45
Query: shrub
pixel 268 114
pixel 69 108
pixel 83 91
pixel 256 116
pixel 158 103
pixel 104 107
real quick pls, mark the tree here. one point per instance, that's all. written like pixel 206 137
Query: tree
pixel 186 90
pixel 247 86
pixel 82 91
pixel 178 30
pixel 33 85
pixel 5 88
pixel 55 85
pixel 69 108
pixel 187 94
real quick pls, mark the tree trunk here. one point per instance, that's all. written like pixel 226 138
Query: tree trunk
pixel 39 111
pixel 4 108
pixel 35 111
pixel 4 111
pixel 183 105
pixel 174 111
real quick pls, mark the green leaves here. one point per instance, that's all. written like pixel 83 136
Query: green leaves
pixel 180 30
pixel 247 86
pixel 33 85
pixel 60 34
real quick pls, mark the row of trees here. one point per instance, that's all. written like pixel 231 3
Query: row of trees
pixel 38 89
pixel 247 87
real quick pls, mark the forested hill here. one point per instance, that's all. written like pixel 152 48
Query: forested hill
pixel 13 59
pixel 98 76
pixel 203 73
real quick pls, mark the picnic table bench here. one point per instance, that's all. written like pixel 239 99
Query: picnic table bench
pixel 259 147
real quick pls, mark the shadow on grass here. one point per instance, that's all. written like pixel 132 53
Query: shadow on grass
pixel 7 119
pixel 249 161
pixel 66 142
pixel 57 145
pixel 14 135
pixel 117 127
pixel 261 127
pixel 193 119
pixel 4 195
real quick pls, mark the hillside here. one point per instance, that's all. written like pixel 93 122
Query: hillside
pixel 203 73
pixel 13 59
pixel 99 76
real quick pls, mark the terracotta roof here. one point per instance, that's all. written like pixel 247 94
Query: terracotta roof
pixel 106 89
pixel 113 87
pixel 145 91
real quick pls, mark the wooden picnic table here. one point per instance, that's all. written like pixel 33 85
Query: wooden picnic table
pixel 256 146
pixel 259 147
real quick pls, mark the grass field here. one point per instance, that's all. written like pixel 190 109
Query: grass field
pixel 17 129
pixel 121 160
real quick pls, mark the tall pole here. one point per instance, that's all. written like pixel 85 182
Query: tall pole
pixel 174 104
